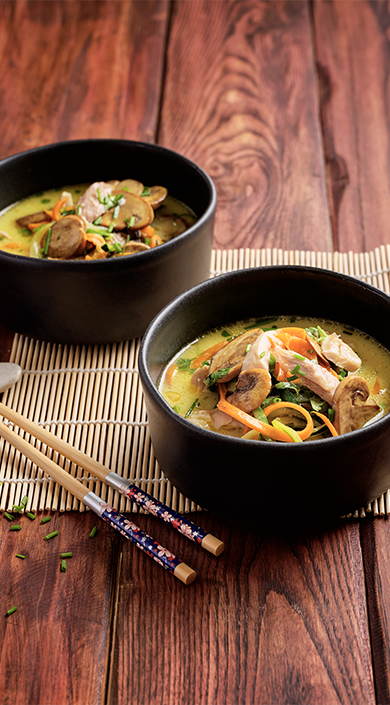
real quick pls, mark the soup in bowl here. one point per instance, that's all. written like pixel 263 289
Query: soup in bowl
pixel 277 426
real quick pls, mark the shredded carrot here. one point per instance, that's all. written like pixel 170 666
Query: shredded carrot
pixel 302 347
pixel 147 231
pixel 154 241
pixel 35 226
pixel 56 213
pixel 96 239
pixel 294 332
pixel 49 214
pixel 14 246
pixel 377 387
pixel 247 420
pixel 207 354
pixel 170 373
pixel 308 430
pixel 328 422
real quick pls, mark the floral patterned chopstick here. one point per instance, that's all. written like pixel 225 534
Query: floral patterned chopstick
pixel 118 521
pixel 128 489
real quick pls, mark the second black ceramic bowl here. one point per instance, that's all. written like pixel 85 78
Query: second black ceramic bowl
pixel 264 481
pixel 102 301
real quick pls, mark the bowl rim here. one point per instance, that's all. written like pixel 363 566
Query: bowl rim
pixel 147 256
pixel 377 427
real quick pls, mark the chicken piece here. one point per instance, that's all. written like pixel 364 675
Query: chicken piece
pixel 89 206
pixel 352 404
pixel 310 374
pixel 341 354
pixel 259 354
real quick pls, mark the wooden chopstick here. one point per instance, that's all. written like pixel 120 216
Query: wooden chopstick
pixel 118 521
pixel 136 494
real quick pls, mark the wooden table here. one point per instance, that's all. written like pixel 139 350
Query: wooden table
pixel 286 105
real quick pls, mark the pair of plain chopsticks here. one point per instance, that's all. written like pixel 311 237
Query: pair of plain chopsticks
pixel 118 521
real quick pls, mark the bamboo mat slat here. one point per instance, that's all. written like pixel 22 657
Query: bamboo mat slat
pixel 91 397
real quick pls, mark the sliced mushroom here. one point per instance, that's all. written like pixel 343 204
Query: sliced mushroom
pixel 352 404
pixel 340 353
pixel 133 246
pixel 232 355
pixel 67 238
pixel 155 196
pixel 199 376
pixel 133 214
pixel 128 186
pixel 33 218
pixel 251 389
pixel 168 226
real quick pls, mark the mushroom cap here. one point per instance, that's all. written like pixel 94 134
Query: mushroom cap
pixel 232 355
pixel 134 246
pixel 156 196
pixel 252 387
pixel 352 404
pixel 67 237
pixel 128 186
pixel 133 214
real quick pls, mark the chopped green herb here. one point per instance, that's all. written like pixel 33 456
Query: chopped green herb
pixel 63 566
pixel 215 376
pixel 45 520
pixel 145 192
pixel 342 374
pixel 78 210
pixel 9 516
pixel 11 611
pixel 176 409
pixel 15 527
pixel 24 501
pixel 262 354
pixel 45 200
pixel 93 532
pixel 130 221
pixel 260 415
pixel 46 248
pixel 51 536
pixel 111 227
pixel 299 357
pixel 20 555
pixel 116 212
pixel 295 370
pixel 68 554
pixel 248 347
pixel 271 400
pixel 190 410
pixel 225 334
pixel 316 403
pixel 183 364
pixel 16 508
pixel 293 319
pixel 331 414
pixel 292 379
pixel 31 516
pixel 98 220
pixel 272 363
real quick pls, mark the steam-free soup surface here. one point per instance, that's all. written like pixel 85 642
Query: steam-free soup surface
pixel 284 379
pixel 93 221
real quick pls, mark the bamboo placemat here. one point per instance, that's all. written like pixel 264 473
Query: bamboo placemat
pixel 91 397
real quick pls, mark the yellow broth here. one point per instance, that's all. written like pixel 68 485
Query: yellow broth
pixel 176 387
pixel 16 240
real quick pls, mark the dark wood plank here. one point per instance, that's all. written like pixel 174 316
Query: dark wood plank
pixel 353 66
pixel 241 100
pixel 274 619
pixel 54 649
pixel 74 70
pixel 375 542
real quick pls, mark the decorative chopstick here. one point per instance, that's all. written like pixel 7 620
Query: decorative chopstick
pixel 118 521
pixel 125 487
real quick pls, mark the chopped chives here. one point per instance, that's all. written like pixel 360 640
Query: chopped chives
pixel 15 527
pixel 93 532
pixel 16 508
pixel 63 566
pixel 24 501
pixel 68 554
pixel 11 611
pixel 9 516
pixel 51 536
pixel 31 516
pixel 98 220
pixel 19 555
pixel 111 227
pixel 45 251
pixel 45 520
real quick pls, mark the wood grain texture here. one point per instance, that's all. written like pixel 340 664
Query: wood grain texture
pixel 53 650
pixel 353 54
pixel 75 70
pixel 241 100
pixel 272 620
pixel 375 543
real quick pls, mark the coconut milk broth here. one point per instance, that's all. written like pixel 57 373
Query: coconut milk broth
pixel 180 394
pixel 45 200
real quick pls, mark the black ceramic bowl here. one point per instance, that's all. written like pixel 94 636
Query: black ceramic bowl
pixel 308 481
pixel 103 300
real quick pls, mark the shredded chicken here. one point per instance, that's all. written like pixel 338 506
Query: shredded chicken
pixel 311 375
pixel 89 205
pixel 341 354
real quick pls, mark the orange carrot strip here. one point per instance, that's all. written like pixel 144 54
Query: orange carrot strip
pixel 96 239
pixel 308 430
pixel 56 214
pixel 154 241
pixel 35 226
pixel 147 231
pixel 377 387
pixel 295 332
pixel 327 422
pixel 207 354
pixel 302 347
pixel 247 420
